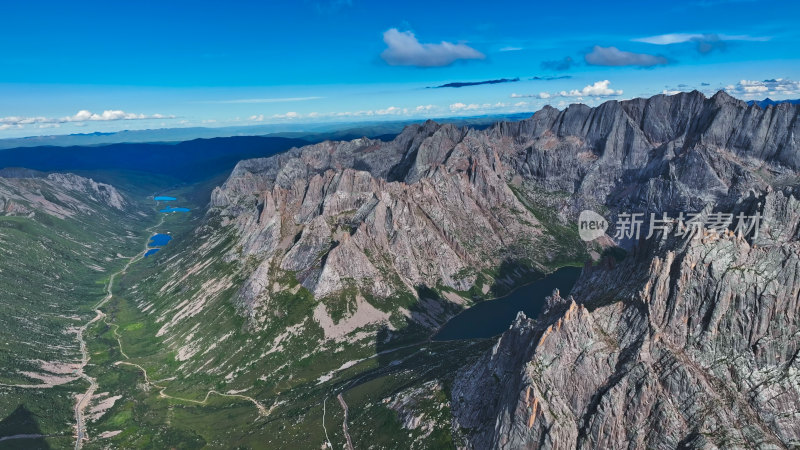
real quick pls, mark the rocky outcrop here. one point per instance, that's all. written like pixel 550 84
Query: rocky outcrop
pixel 686 343
pixel 313 213
pixel 58 194
pixel 97 192
pixel 441 206
pixel 663 153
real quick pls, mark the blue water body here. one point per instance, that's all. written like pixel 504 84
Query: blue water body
pixel 174 209
pixel 159 240
pixel 492 317
pixel 151 251
pixel 164 198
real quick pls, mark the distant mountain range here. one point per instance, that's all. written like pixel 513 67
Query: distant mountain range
pixel 312 132
pixel 188 161
pixel 769 102
pixel 304 290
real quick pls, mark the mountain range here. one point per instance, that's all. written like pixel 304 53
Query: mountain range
pixel 770 102
pixel 306 287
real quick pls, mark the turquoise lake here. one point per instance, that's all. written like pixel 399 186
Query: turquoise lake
pixel 159 240
pixel 174 209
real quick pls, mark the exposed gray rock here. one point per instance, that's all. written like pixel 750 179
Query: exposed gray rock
pixel 687 343
pixel 59 194
pixel 439 205
pixel 334 226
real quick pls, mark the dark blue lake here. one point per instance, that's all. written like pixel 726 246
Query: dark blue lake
pixel 159 240
pixel 492 317
pixel 164 198
pixel 174 209
pixel 151 251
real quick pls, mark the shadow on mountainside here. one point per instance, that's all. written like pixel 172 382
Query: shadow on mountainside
pixel 510 275
pixel 432 310
pixel 21 422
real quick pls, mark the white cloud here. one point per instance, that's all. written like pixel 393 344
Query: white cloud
pixel 288 115
pixel 612 56
pixel 706 42
pixel 418 111
pixel 388 111
pixel 463 106
pixel 486 108
pixel 511 49
pixel 598 89
pixel 678 38
pixel 542 95
pixel 396 111
pixel 403 49
pixel 391 110
pixel 81 116
pixel 110 114
pixel 772 87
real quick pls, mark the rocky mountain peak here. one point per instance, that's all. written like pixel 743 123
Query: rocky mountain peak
pixel 721 98
pixel 687 343
pixel 474 195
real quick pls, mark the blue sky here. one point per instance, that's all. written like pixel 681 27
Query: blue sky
pixel 70 67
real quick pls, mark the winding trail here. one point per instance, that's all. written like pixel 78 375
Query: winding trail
pixel 261 409
pixel 83 401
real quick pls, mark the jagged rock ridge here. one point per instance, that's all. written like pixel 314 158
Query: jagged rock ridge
pixel 443 206
pixel 688 343
pixel 437 210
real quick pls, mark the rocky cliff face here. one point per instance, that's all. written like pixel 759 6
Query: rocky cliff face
pixel 328 250
pixel 663 153
pixel 58 194
pixel 445 207
pixel 431 208
pixel 687 343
